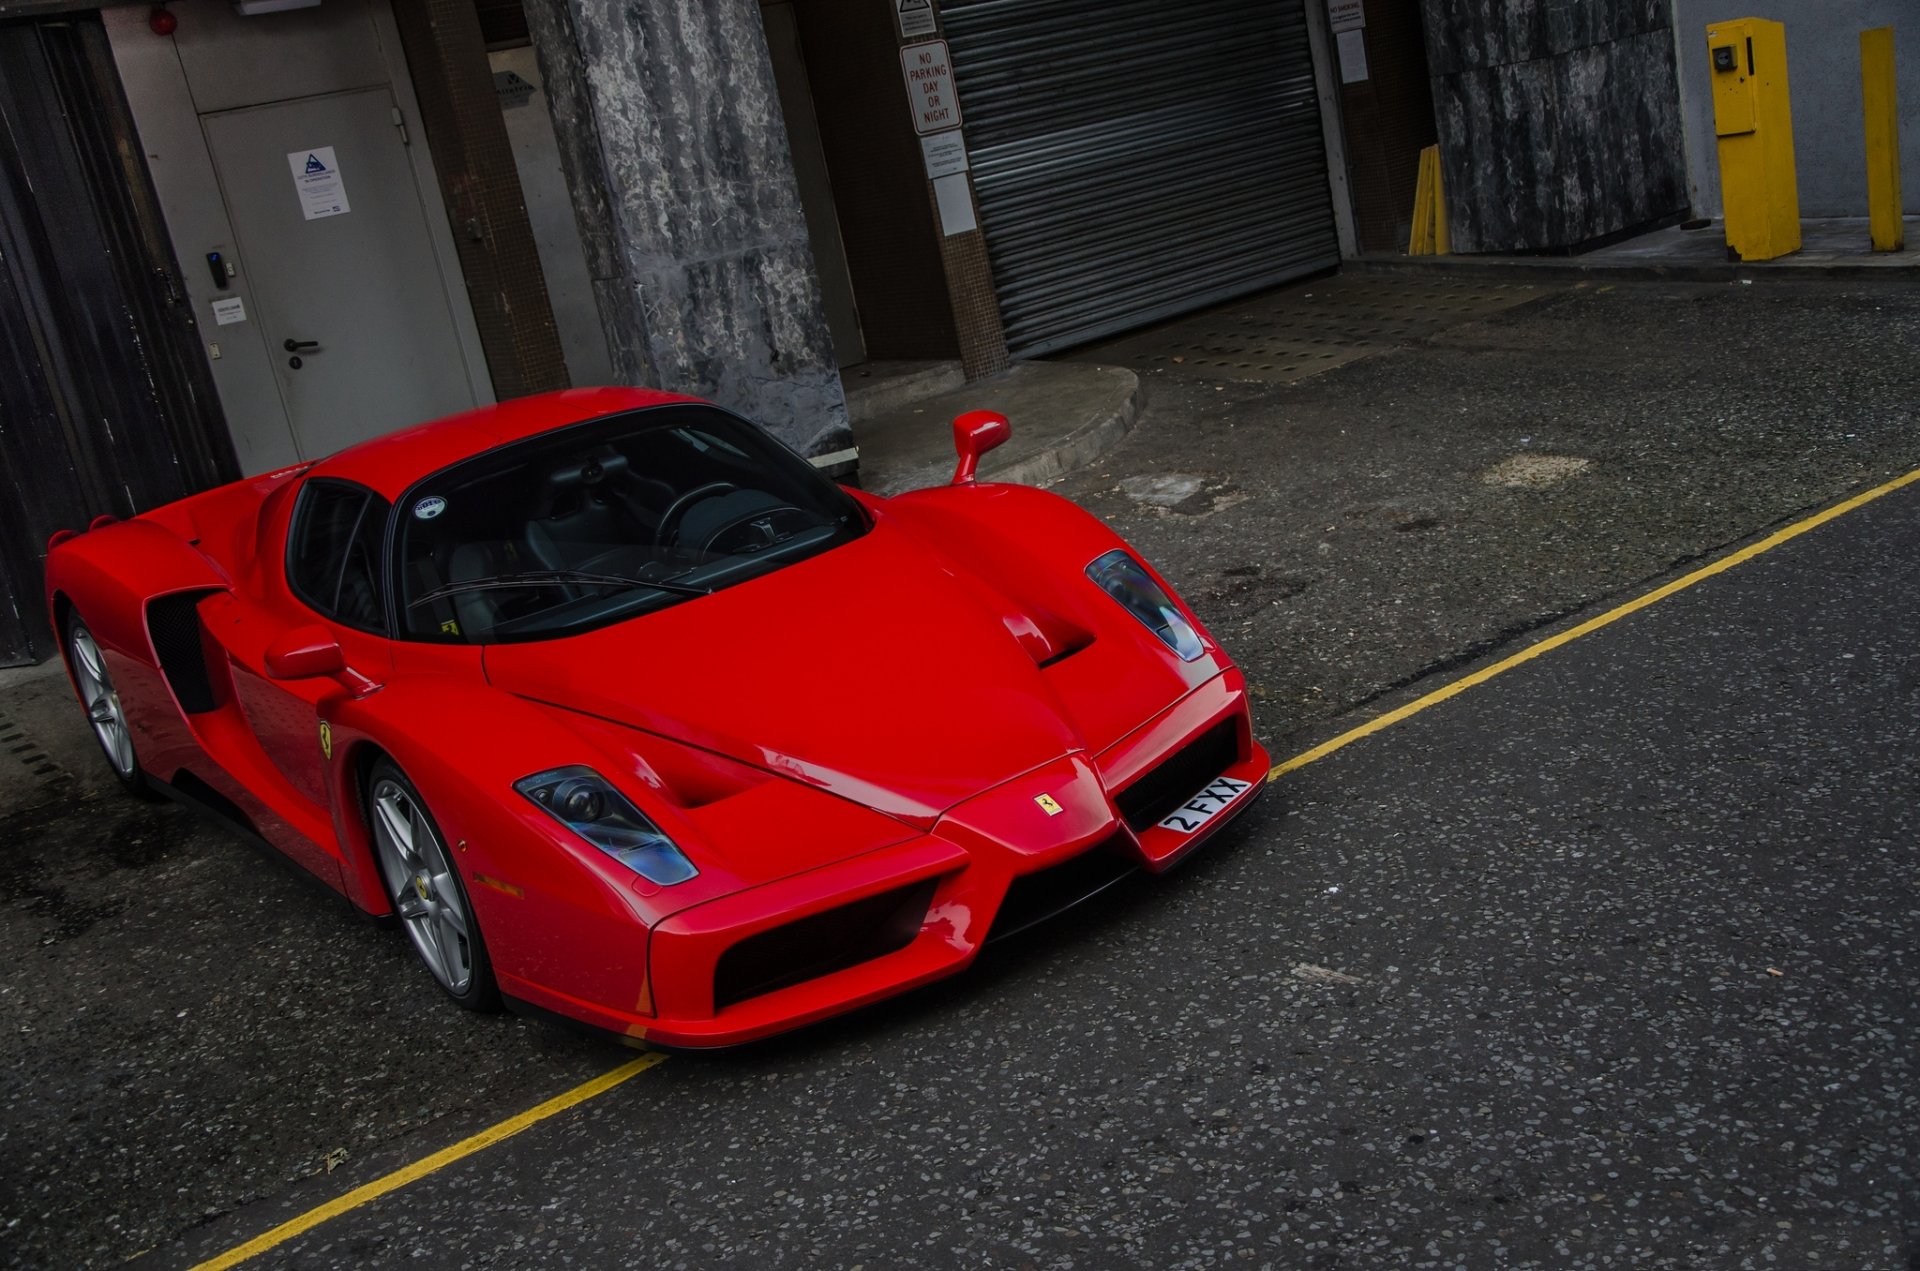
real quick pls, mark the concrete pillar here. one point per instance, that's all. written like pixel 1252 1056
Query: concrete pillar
pixel 674 147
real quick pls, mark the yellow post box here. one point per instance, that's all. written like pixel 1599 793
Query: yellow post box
pixel 1753 123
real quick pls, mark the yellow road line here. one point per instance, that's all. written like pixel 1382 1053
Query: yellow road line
pixel 426 1165
pixel 1592 625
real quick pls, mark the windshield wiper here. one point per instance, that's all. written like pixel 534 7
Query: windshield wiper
pixel 555 578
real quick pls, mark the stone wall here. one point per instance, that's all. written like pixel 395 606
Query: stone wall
pixel 1559 120
pixel 674 147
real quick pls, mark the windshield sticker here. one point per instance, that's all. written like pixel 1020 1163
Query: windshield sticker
pixel 430 507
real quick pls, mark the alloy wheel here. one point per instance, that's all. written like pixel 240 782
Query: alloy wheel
pixel 101 702
pixel 419 878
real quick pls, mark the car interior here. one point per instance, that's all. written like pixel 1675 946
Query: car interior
pixel 563 532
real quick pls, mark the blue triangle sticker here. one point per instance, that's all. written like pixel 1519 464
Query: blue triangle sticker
pixel 314 164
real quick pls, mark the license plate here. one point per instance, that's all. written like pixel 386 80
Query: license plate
pixel 1206 805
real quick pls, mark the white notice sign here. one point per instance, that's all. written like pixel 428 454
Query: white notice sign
pixel 916 17
pixel 955 201
pixel 316 175
pixel 945 152
pixel 930 86
pixel 1353 55
pixel 229 311
pixel 1346 15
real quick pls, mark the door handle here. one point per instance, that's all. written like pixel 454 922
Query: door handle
pixel 292 345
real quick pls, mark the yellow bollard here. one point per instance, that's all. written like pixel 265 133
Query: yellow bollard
pixel 1429 236
pixel 1753 120
pixel 1883 140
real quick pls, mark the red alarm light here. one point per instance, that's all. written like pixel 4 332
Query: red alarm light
pixel 162 22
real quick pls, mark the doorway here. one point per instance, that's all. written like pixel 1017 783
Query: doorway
pixel 1386 101
pixel 350 300
pixel 862 179
pixel 816 184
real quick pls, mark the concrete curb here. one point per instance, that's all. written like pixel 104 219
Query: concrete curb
pixel 1081 446
pixel 1555 269
pixel 1064 415
pixel 869 401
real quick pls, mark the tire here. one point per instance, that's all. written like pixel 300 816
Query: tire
pixel 100 703
pixel 423 882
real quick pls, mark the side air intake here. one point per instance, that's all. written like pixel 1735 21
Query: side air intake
pixel 173 623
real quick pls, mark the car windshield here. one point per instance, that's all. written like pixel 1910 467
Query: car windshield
pixel 588 525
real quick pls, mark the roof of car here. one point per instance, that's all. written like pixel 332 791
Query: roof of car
pixel 389 464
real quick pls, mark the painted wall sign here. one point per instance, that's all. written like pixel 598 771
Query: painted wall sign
pixel 1346 15
pixel 229 311
pixel 929 73
pixel 916 17
pixel 316 176
pixel 945 153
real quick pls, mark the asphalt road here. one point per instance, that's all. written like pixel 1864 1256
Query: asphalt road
pixel 1560 895
pixel 1625 960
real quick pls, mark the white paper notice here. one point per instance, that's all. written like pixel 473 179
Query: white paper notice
pixel 945 152
pixel 1345 15
pixel 316 175
pixel 1353 56
pixel 956 204
pixel 229 311
pixel 916 17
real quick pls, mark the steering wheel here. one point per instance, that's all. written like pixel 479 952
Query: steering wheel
pixel 669 531
pixel 777 519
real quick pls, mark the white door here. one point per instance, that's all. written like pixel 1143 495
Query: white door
pixel 334 241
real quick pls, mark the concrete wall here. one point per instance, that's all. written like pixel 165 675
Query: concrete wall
pixel 668 121
pixel 1823 67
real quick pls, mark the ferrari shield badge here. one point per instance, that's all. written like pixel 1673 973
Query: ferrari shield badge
pixel 326 739
pixel 1048 804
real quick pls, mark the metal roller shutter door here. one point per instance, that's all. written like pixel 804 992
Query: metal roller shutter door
pixel 1138 159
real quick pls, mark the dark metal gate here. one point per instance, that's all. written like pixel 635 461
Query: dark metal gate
pixel 1137 159
pixel 106 404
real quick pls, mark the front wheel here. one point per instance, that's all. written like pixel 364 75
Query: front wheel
pixel 424 885
pixel 101 702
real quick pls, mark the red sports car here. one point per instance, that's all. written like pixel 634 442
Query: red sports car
pixel 626 713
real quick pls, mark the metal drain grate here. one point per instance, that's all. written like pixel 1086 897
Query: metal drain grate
pixel 42 772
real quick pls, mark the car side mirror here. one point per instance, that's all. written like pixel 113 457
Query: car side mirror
pixel 975 433
pixel 305 653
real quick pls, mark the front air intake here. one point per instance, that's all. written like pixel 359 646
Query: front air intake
pixel 1034 898
pixel 821 944
pixel 1180 776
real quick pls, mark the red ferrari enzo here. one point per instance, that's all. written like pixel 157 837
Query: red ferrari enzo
pixel 624 712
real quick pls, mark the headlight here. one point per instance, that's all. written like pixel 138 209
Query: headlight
pixel 1127 581
pixel 586 803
